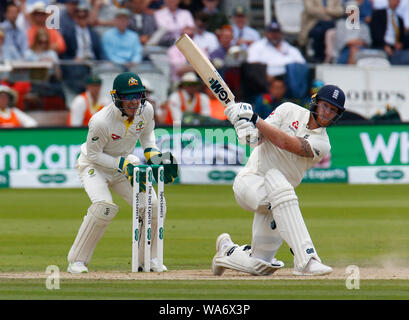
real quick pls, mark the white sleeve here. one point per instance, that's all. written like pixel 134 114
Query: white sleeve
pixel 25 120
pixel 97 138
pixel 77 111
pixel 204 105
pixel 147 137
pixel 175 106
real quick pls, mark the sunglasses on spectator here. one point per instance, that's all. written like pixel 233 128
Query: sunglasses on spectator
pixel 131 96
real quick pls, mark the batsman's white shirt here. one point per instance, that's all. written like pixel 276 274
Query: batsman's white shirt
pixel 293 120
pixel 110 136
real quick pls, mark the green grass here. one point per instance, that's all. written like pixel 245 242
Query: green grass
pixel 349 224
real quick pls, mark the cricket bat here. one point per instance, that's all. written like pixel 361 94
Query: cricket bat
pixel 205 69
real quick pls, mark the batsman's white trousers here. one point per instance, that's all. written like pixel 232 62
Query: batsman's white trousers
pixel 277 216
pixel 251 195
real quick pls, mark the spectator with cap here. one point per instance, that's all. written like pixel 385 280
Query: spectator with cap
pixel 215 19
pixel 15 37
pixel 318 17
pixel 172 19
pixel 38 17
pixel 273 51
pixel 10 116
pixel 188 98
pixel 244 35
pixel 141 21
pixel 86 104
pixel 121 45
pixel 83 43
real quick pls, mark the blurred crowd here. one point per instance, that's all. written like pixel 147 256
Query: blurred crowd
pixel 264 67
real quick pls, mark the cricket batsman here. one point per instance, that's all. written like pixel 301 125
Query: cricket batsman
pixel 290 141
pixel 106 163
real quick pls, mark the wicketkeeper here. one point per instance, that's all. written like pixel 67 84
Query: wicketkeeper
pixel 290 141
pixel 106 163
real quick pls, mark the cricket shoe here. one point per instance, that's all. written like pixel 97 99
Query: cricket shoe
pixel 77 267
pixel 277 263
pixel 313 268
pixel 223 243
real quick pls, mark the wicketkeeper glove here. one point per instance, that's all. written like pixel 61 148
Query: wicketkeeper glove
pixel 170 166
pixel 126 167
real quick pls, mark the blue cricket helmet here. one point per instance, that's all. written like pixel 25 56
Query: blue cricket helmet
pixel 331 94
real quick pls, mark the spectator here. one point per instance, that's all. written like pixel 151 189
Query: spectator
pixel 38 17
pixel 273 51
pixel 349 41
pixel 267 102
pixel 41 50
pixel 83 43
pixel 225 36
pixel 318 17
pixel 387 29
pixel 187 98
pixel 244 35
pixel 142 22
pixel 102 14
pixel 10 116
pixel 7 53
pixel 159 110
pixel 85 105
pixel 215 18
pixel 173 20
pixel 178 63
pixel 67 16
pixel 15 37
pixel 207 41
pixel 120 44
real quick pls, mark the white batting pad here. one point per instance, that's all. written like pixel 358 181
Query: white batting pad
pixel 98 217
pixel 266 238
pixel 293 230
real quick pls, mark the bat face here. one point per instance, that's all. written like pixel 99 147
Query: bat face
pixel 205 69
pixel 217 88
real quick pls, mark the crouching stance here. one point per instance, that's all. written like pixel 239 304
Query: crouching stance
pixel 106 163
pixel 289 142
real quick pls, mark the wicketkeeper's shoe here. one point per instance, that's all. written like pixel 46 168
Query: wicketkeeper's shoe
pixel 223 243
pixel 313 268
pixel 77 267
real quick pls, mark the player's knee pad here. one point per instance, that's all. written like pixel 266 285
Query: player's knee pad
pixel 98 217
pixel 239 259
pixel 278 189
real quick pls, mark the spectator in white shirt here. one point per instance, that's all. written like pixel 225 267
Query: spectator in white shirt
pixel 273 51
pixel 207 41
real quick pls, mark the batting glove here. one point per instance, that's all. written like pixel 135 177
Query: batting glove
pixel 246 132
pixel 246 112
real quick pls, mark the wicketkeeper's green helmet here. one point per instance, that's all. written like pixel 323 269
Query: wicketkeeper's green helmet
pixel 124 84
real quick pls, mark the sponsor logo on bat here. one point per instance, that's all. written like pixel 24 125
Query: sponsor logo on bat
pixel 218 90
